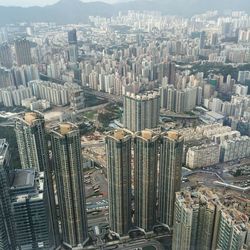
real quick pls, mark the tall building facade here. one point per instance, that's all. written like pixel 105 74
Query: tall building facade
pixel 31 143
pixel 171 150
pixel 67 161
pixel 146 145
pixel 23 52
pixel 7 239
pixel 34 154
pixel 118 148
pixel 6 59
pixel 29 210
pixel 201 222
pixel 73 46
pixel 171 72
pixel 202 42
pixel 141 111
pixel 234 230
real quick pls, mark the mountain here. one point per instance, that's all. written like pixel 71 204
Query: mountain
pixel 74 11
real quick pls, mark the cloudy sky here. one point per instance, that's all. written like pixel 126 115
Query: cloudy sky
pixel 26 3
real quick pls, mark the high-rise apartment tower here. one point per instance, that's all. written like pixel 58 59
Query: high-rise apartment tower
pixel 67 161
pixel 118 149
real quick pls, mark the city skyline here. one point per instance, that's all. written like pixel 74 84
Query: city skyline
pixel 125 128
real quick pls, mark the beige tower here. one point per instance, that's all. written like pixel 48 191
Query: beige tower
pixel 171 150
pixel 67 161
pixel 118 150
pixel 145 178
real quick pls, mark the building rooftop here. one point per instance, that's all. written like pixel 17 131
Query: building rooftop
pixel 23 178
pixel 30 117
pixel 144 96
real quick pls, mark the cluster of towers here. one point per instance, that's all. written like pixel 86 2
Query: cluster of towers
pixel 144 172
pixel 63 174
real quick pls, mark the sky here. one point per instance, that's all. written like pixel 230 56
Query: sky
pixel 26 3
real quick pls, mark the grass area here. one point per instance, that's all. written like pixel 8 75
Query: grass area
pixel 90 114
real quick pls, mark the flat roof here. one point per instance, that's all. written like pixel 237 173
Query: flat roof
pixel 23 178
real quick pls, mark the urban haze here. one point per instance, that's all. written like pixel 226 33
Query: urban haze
pixel 124 124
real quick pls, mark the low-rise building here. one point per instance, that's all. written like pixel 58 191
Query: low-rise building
pixel 236 148
pixel 203 156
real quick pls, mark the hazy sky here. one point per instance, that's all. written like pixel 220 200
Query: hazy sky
pixel 26 3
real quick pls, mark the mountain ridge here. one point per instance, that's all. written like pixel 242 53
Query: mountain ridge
pixel 75 11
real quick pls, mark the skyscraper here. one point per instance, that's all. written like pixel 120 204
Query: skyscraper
pixel 23 51
pixel 141 111
pixel 145 178
pixel 202 40
pixel 33 151
pixel 72 37
pixel 118 150
pixel 171 151
pixel 171 72
pixel 73 47
pixel 29 210
pixel 31 143
pixel 7 239
pixel 67 161
pixel 5 56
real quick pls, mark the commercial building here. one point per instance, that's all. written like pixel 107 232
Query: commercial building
pixel 146 145
pixel 118 150
pixel 73 47
pixel 141 111
pixel 33 151
pixel 23 51
pixel 171 150
pixel 68 167
pixel 29 210
pixel 7 239
pixel 203 156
